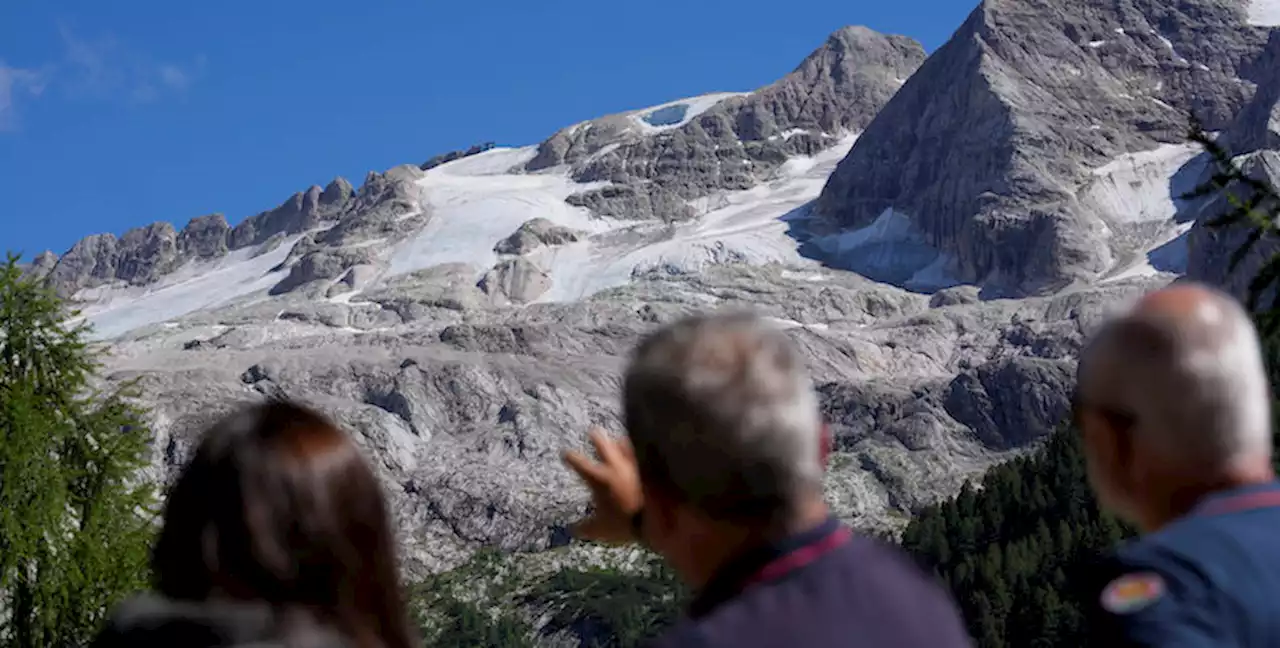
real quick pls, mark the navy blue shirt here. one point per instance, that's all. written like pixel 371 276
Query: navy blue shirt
pixel 827 587
pixel 1211 578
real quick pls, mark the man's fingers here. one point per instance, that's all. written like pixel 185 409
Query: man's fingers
pixel 607 447
pixel 626 449
pixel 590 470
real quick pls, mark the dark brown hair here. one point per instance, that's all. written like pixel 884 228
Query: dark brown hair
pixel 277 505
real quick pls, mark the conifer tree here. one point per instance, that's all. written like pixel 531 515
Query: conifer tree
pixel 76 520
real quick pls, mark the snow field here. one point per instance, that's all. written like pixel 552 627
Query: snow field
pixel 191 288
pixel 1138 187
pixel 1264 13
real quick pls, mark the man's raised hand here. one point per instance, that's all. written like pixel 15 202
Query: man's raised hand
pixel 614 481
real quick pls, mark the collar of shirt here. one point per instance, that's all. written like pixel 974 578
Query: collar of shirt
pixel 1265 495
pixel 737 574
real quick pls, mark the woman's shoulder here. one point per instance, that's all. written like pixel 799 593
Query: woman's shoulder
pixel 150 620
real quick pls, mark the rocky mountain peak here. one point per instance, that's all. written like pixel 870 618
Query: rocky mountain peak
pixel 40 266
pixel 204 237
pixel 657 160
pixel 337 192
pixel 143 255
pixel 840 87
pixel 138 257
pixel 301 212
pixel 987 151
pixel 858 49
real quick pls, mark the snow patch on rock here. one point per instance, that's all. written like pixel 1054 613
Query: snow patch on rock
pixel 1140 187
pixel 1264 13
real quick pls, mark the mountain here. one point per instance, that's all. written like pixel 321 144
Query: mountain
pixel 890 211
pixel 1004 153
pixel 729 142
pixel 1254 139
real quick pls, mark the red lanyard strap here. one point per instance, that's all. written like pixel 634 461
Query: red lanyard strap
pixel 801 557
pixel 1238 503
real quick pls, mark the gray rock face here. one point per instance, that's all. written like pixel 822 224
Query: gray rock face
pixel 353 279
pixel 515 280
pixel 534 234
pixel 143 255
pixel 323 264
pixel 91 261
pixel 986 146
pixel 41 265
pixel 445 158
pixel 1210 250
pixel 1257 127
pixel 378 208
pixel 147 253
pixel 205 237
pixel 1010 402
pixel 336 194
pixel 387 207
pixel 740 140
pixel 443 292
pixel 138 257
pixel 1254 138
pixel 302 212
pixel 464 406
pixel 382 208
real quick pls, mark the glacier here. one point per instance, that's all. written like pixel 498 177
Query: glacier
pixel 472 203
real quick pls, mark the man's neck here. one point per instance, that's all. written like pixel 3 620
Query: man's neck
pixel 726 542
pixel 1179 501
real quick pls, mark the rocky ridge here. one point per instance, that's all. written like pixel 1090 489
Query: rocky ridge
pixel 989 149
pixel 737 141
pixel 143 255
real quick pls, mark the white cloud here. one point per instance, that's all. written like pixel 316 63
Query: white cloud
pixel 13 82
pixel 103 68
pixel 174 76
pixel 95 69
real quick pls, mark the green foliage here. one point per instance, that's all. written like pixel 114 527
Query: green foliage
pixel 606 608
pixel 485 617
pixel 1012 551
pixel 465 624
pixel 491 601
pixel 75 524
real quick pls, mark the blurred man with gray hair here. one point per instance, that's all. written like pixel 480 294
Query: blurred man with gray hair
pixel 1175 413
pixel 722 476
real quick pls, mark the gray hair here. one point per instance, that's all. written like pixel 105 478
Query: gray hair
pixel 1194 384
pixel 723 416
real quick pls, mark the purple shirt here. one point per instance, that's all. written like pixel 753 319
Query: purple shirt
pixel 826 587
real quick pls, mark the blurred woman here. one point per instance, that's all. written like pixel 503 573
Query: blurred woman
pixel 275 534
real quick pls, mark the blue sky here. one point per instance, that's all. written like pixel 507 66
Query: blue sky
pixel 118 113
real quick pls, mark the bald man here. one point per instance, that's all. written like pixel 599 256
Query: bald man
pixel 1175 412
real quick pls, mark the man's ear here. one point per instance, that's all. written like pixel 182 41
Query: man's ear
pixel 825 444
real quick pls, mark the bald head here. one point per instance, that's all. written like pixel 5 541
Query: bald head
pixel 1184 365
